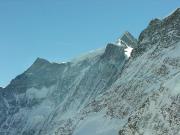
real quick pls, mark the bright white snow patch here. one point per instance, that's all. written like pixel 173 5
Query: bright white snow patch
pixel 128 51
pixel 119 42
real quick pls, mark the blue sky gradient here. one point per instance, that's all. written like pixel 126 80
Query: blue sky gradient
pixel 59 30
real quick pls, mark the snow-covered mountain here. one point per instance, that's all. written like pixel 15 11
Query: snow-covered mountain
pixel 109 91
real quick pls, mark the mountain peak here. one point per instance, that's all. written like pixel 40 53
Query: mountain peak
pixel 162 33
pixel 155 22
pixel 128 39
pixel 114 51
pixel 102 92
pixel 41 61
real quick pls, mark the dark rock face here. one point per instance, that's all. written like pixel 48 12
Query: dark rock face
pixel 129 39
pixel 160 33
pixel 158 50
pixel 114 52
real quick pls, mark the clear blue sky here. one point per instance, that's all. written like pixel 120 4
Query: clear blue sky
pixel 59 30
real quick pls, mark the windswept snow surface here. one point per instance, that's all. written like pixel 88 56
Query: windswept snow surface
pixel 91 55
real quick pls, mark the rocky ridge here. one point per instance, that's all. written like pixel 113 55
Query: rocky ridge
pixel 104 92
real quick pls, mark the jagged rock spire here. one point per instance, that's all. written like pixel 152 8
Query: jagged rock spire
pixel 127 39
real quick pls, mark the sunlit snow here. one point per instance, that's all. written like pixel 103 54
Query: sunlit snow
pixel 128 51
